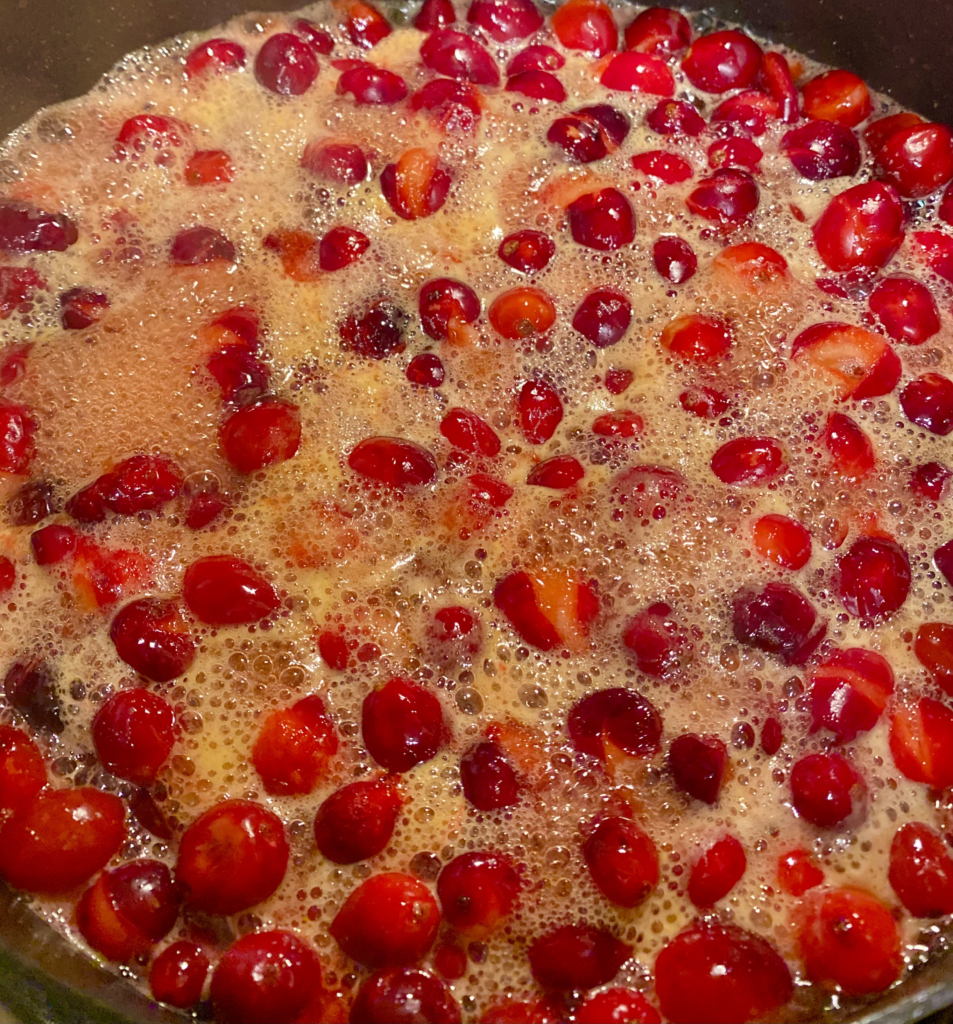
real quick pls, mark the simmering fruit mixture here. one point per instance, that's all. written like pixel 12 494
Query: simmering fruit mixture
pixel 477 537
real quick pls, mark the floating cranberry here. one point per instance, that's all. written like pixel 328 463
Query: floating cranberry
pixel 209 167
pixel 798 872
pixel 603 317
pixel 286 65
pixel 850 939
pixel 393 461
pixel 239 373
pixel 357 821
pixel 577 956
pixel 415 186
pixel 505 20
pixel 639 73
pixel 31 504
pixel 586 25
pixel 822 149
pixel 579 138
pixel 735 151
pixel 478 892
pixel 698 337
pixel 877 132
pixel 82 307
pixel 488 777
pixel 936 248
pixel 319 40
pixel 539 410
pixel 658 30
pixel 62 839
pixel 435 14
pixel 341 162
pixel 921 742
pixel 705 402
pixel 216 56
pixel 444 301
pixel 826 789
pixel 858 362
pixel 928 401
pixel 750 111
pixel 929 480
pixel 402 725
pixel 921 870
pixel 294 747
pixel 134 732
pixel 851 451
pixel 8 574
pixel 470 433
pixel 622 861
pixel 777 619
pixel 945 209
pixel 404 996
pixel 906 309
pixel 618 380
pixel 615 718
pixel 527 251
pixel 653 638
pixel 722 60
pixel 141 483
pixel 538 85
pixel 676 118
pixel 341 246
pixel 776 79
pixel 372 86
pixel 623 423
pixel 943 560
pixel 455 106
pixel 30 687
pixel 454 635
pixel 602 220
pixel 783 541
pixel 666 167
pixel 721 973
pixel 366 27
pixel 874 578
pixel 426 370
pixel 674 259
pixel 698 765
pixel 716 872
pixel 933 647
pixel 557 472
pixel 225 591
pixel 455 55
pixel 728 197
pixel 514 595
pixel 860 229
pixel 536 58
pixel 17 427
pixel 151 638
pixel 522 313
pixel 838 96
pixel 615 1004
pixel 749 460
pixel 22 770
pixel 24 228
pixel 488 490
pixel 52 544
pixel 178 974
pixel 376 333
pixel 199 245
pixel 204 509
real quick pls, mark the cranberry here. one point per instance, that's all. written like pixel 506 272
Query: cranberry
pixel 580 138
pixel 929 480
pixel 468 432
pixel 319 40
pixel 455 55
pixel 488 490
pixel 22 770
pixel 393 461
pixel 798 872
pixel 618 380
pixel 538 85
pixel 294 747
pixel 928 401
pixel 402 725
pixel 615 718
pixel 859 362
pixel 906 309
pixel 435 14
pixel 365 26
pixel 443 301
pixel 622 861
pixel 838 96
pixel 698 765
pixel 455 106
pixel 643 488
pixel 658 30
pixel 142 483
pixel 215 56
pixel 527 251
pixel 17 427
pixel 536 58
pixel 728 197
pixel 921 742
pixel 376 333
pixel 652 638
pixel 557 472
pixel 577 956
pixel 150 637
pixel 30 687
pixel 134 732
pixel 617 1004
pixel 749 460
pixel 341 246
pixel 505 20
pixel 826 789
pixel 62 839
pixel 777 81
pixel 31 504
pixel 586 25
pixel 341 162
pixel 515 596
pixel 943 559
pixel 454 636
pixel 415 186
pixel 945 209
pixel 522 313
pixel 874 578
pixel 204 509
pixel 936 248
pixel 52 544
pixel 370 86
pixel 861 228
pixel 489 779
pixel 674 259
pixel 719 972
pixel 178 974
pixel 675 117
pixel 705 402
pixel 667 167
pixel 716 872
pixel 750 111
pixel 878 132
pixel 851 451
pixel 639 73
pixel 772 736
pixel 783 541
pixel 357 821
pixel 921 870
pixel 722 60
pixel 618 424
pixel 238 373
pixel 735 151
pixel 24 228
pixel 851 940
pixel 404 996
pixel 209 167
pixel 822 149
pixel 13 358
pixel 286 65
pixel 777 619
pixel 698 337
pixel 602 220
pixel 82 307
pixel 478 892
pixel 199 245
pixel 933 647
pixel 17 285
pixel 221 590
pixel 603 317
pixel 540 1011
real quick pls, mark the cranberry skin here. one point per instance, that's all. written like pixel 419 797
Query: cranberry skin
pixel 917 160
pixel 618 380
pixel 906 309
pixel 652 639
pixel 216 56
pixel 470 433
pixel 697 765
pixel 719 869
pixel 722 60
pixel 221 590
pixel 747 461
pixel 822 149
pixel 24 228
pixel 873 578
pixel 577 956
pixel 622 861
pixel 586 25
pixel 426 370
pixel 539 411
pixel 783 541
pixel 22 770
pixel 149 637
pixel 134 732
pixel 53 543
pixel 357 821
pixel 391 920
pixel 30 687
pixel 404 996
pixel 603 317
pixel 579 138
pixel 616 717
pixel 826 789
pixel 675 117
pixel 538 85
pixel 639 73
pixel 514 596
pixel 720 973
pixel 142 483
pixel 376 333
pixel 928 401
pixel 489 779
pixel 435 14
pixel 860 229
pixel 536 58
pixel 623 423
pixel 455 55
pixel 17 428
pixel 341 247
pixel 17 285
pixel 286 65
pixel 199 245
pixel 728 197
pixel 557 473
pixel 851 451
pixel 602 220
pixel 340 162
pixel 622 1005
pixel 477 892
pixel 933 647
pixel 674 259
pixel 505 20
pixel 294 747
pixel 698 337
pixel 777 619
pixel 798 872
pixel 527 251
pixel 178 974
pixel 261 435
pixel 372 86
pixel 62 839
pixel 667 167
pixel 735 151
pixel 82 307
pixel 850 939
pixel 393 461
pixel 658 30
pixel 402 725
pixel 444 300
pixel 921 870
pixel 849 692
pixel 929 480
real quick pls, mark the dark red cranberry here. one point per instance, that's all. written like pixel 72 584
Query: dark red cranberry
pixel 238 373
pixel 151 638
pixel 776 79
pixel 538 85
pixel 342 162
pixel 826 789
pixel 393 461
pixel 372 86
pixel 357 821
pixel 928 401
pixel 658 30
pixel 579 138
pixel 936 248
pixel 444 300
pixel 52 544
pixel 334 650
pixel 8 574
pixel 456 106
pixel 178 974
pixel 204 509
pixel 873 578
pixel 222 590
pixel 716 872
pixel 13 358
pixel 24 228
pixel 697 765
pixel 398 995
pixel 777 619
pixel 286 65
pixel 341 246
pixel 612 122
pixel 623 423
pixel 851 450
pixel 615 718
pixel 17 427
pixel 196 246
pixel 515 597
pixel 31 504
pixel 821 150
pixel 402 725
pixel 215 57
pixel 455 634
pixel 470 433
pixel 455 55
pixel 505 20
pixel 652 636
pixel 921 870
pixel 435 14
pixel 943 559
pixel 141 483
pixel 489 490
pixel 705 402
pixel 527 251
pixel 477 892
pixel 557 472
pixel 861 228
pixel 674 258
pixel 17 285
pixel 602 220
pixel 30 687
pixel 748 111
pixel 376 333
pixel 722 60
pixel 614 1004
pixel 929 480
pixel 149 815
pixel 772 736
pixel 488 777
pixel 735 151
pixel 320 41
pixel 82 307
pixel 577 956
pixel 749 460
pixel 728 197
pixel 622 861
pixel 618 380
pixel 603 317
pixel 426 370
pixel 639 73
pixel 906 308
pixel 676 118
pixel 667 167
pixel 261 435
pixel 945 209
pixel 539 411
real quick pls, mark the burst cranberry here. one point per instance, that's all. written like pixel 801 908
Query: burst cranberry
pixel 31 688
pixel 443 302
pixel 826 789
pixel 178 974
pixel 319 40
pixel 674 259
pixel 849 692
pixel 602 220
pixel 698 765
pixel 538 85
pixel 519 596
pixel 735 151
pixel 777 619
pixel 341 246
pixel 798 872
pixel 261 435
pixel 82 307
pixel 527 251
pixel 906 309
pixel 286 65
pixel 151 638
pixel 488 490
pixel 17 285
pixel 62 839
pixel 393 461
pixel 142 483
pixel 667 167
pixel 557 472
pixel 468 432
pixel 225 591
pixel 874 578
pixel 376 333
pixel 415 186
pixel 478 892
pixel 851 451
pixel 209 167
pixel 783 541
pixel 778 82
pixel 52 544
pixel 617 1004
pixel 838 96
pixel 489 779
pixel 675 117
pixel 134 732
pixel 24 228
pixel 8 574
pixel 294 748
pixel 859 363
pixel 622 861
pixel 928 401
pixel 822 149
pixel 728 197
pixel 239 374
pixel 404 996
pixel 580 138
pixel 435 14
pixel 615 718
pixel 215 56
pixel 454 106
pixel 426 370
pixel 879 131
pixel 586 25
pixel 402 725
pixel 22 770
pixel 618 424
pixel 750 111
pixel 357 821
pixel 936 248
pixel 603 317
pixel 536 58
pixel 653 638
pixel 921 870
pixel 522 313
pixel 370 85
pixel 929 480
pixel 505 20
pixel 341 162
pixel 721 973
pixel 365 26
pixel 933 647
pixel 716 872
pixel 749 460
pixel 199 245
pixel 698 337
pixel 204 509
pixel 639 73
pixel 618 380
pixel 705 402
pixel 17 427
pixel 851 940
pixel 722 60
pixel 577 956
pixel 455 55
pixel 658 30
pixel 921 742
pixel 860 229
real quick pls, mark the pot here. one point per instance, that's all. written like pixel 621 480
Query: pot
pixel 52 50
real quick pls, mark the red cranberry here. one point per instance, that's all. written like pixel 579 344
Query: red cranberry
pixel 221 590
pixel 539 411
pixel 215 56
pixel 372 86
pixel 134 732
pixel 906 309
pixel 17 285
pixel 783 541
pixel 821 150
pixel 196 246
pixel 602 220
pixel 877 132
pixel 22 770
pixel 858 362
pixel 341 246
pixel 455 106
pixel 82 307
pixel 24 228
pixel 468 432
pixel 365 26
pixel 676 118
pixel 860 229
pixel 945 209
pixel 777 619
pixel 488 490
pixel 777 81
pixel 705 402
pixel 720 972
pixel 376 333
pixel 921 870
pixel 388 921
pixel 393 461
pixel 826 789
pixel 443 301
pixel 478 892
pixel 639 73
pixel 943 559
pixel 30 687
pixel 536 58
pixel 615 718
pixel 540 1011
pixel 426 370
pixel 209 167
pixel 404 996
pixel 617 1004
pixel 17 428
pixel 341 162
pixel 557 472
pixel 674 259
pixel 8 574
pixel 577 956
pixel 238 373
pixel 622 861
pixel 538 85
pixel 642 489
pixel 929 480
pixel 515 597
pixel 294 747
pixel 658 30
pixel 333 649
pixel 455 636
pixel 603 317
pixel 728 197
pixel 52 544
pixel 151 638
pixel 851 450
pixel 31 504
pixel 586 25
pixel 698 337
pixel 142 483
pixel 873 578
pixel 319 40
pixel 716 872
pixel 455 55
pixel 666 167
pixel 13 358
pixel 435 14
pixel 286 65
pixel 580 138
pixel 750 111
pixel 917 160
pixel 653 639
pixel 618 380
pixel 527 251
pixel 204 509
pixel 722 60
pixel 838 96
pixel 505 20
pixel 928 401
pixel 798 872
pixel 623 423
pixel 357 821
pixel 402 725
pixel 921 742
pixel 489 779
pixel 936 248
pixel 735 151
pixel 933 647
pixel 749 460
pixel 178 974
pixel 697 765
